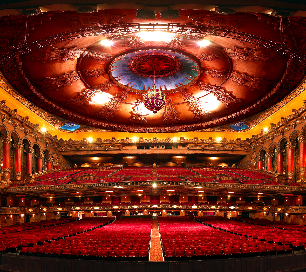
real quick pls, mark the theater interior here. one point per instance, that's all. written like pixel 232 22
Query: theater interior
pixel 145 136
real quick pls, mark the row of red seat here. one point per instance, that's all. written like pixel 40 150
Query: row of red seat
pixel 11 241
pixel 293 238
pixel 126 237
pixel 184 237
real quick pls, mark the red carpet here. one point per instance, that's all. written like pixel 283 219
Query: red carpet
pixel 156 254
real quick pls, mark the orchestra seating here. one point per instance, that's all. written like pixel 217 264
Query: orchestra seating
pixel 185 238
pixel 91 238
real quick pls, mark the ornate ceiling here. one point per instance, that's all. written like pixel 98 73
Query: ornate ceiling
pixel 99 70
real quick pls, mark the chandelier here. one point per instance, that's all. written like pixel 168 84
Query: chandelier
pixel 154 99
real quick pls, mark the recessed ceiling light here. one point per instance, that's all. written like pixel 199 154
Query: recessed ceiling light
pixel 100 98
pixel 106 42
pixel 204 43
pixel 208 101
pixel 155 36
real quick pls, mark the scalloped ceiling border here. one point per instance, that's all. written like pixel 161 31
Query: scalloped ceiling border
pixel 295 100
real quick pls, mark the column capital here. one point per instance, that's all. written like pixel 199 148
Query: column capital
pixel 17 146
pixel 30 150
pixel 302 138
pixel 6 139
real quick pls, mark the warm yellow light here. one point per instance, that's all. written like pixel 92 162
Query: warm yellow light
pixel 135 139
pixel 95 158
pixel 100 98
pixel 90 140
pixel 208 101
pixel 155 36
pixel 43 130
pixel 174 139
pixel 204 43
pixel 106 42
pixel 218 139
pixel 213 158
pixel 154 185
pixel 266 129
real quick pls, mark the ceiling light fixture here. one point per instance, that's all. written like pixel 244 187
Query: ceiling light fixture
pixel 106 42
pixel 43 129
pixel 204 43
pixel 218 139
pixel 90 139
pixel 208 101
pixel 100 98
pixel 155 36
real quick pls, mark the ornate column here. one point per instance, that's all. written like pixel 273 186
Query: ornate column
pixel 29 161
pixel 260 164
pixel 269 162
pixel 40 163
pixel 18 161
pixel 6 159
pixel 48 165
pixel 290 160
pixel 302 141
pixel 280 161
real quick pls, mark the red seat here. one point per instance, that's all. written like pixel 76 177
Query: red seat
pixel 112 253
pixel 198 252
pixel 132 253
pixel 102 253
pixel 75 251
pixel 179 253
pixel 143 253
pixel 169 253
pixel 189 252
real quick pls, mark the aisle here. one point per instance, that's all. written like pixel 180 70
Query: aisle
pixel 156 254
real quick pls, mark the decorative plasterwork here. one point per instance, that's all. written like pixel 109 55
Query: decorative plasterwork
pixel 212 24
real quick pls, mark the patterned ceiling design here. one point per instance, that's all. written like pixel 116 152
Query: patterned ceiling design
pixel 58 61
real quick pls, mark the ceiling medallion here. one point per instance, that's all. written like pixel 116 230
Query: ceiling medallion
pixel 135 70
pixel 154 64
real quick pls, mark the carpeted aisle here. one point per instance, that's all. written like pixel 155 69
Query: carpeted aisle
pixel 156 253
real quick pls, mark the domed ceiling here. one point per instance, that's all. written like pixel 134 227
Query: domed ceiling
pixel 177 71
